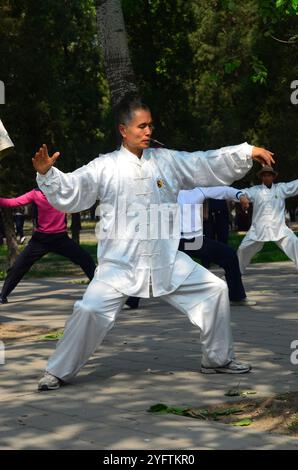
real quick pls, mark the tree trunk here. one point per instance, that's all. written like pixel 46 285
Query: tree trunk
pixel 113 39
pixel 11 240
pixel 75 227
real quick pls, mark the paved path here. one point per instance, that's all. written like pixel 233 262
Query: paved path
pixel 151 356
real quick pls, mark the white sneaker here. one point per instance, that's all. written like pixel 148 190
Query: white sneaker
pixel 49 382
pixel 233 367
pixel 22 240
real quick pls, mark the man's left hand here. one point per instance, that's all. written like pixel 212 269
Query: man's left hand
pixel 263 156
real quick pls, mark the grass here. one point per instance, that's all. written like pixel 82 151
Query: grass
pixel 269 254
pixel 53 265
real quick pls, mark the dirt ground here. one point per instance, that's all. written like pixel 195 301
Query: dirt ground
pixel 14 332
pixel 277 414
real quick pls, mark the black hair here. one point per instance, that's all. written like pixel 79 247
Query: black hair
pixel 124 110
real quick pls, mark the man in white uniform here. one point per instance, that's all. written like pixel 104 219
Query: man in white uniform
pixel 268 218
pixel 139 184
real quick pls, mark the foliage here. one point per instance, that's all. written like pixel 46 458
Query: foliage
pixel 215 75
pixel 55 89
pixel 215 72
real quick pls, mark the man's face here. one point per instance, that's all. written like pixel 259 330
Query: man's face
pixel 267 178
pixel 136 134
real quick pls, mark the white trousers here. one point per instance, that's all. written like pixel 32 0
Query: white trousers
pixel 203 297
pixel 248 248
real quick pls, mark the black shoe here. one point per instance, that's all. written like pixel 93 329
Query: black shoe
pixel 3 300
pixel 133 302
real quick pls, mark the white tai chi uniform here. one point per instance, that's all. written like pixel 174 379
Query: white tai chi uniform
pixel 133 260
pixel 268 222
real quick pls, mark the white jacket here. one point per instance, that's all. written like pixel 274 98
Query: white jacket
pixel 268 218
pixel 131 255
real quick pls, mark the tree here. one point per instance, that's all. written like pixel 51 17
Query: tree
pixel 113 40
pixel 158 38
pixel 11 240
pixel 55 89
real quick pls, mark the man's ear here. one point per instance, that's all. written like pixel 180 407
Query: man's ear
pixel 122 130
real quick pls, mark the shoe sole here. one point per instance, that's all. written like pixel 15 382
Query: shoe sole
pixel 44 387
pixel 220 370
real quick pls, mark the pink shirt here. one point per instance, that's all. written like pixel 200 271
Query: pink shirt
pixel 48 220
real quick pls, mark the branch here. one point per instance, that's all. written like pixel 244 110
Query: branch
pixel 290 41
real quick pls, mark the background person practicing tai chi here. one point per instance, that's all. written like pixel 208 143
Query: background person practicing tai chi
pixel 268 218
pixel 133 183
pixel 50 236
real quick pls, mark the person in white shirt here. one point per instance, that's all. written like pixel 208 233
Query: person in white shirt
pixel 197 245
pixel 268 218
pixel 137 186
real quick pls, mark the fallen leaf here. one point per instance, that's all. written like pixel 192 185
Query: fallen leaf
pixel 52 336
pixel 242 422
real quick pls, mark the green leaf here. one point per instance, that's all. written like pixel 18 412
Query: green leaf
pixel 52 336
pixel 230 67
pixel 226 412
pixel 162 408
pixel 279 3
pixel 158 408
pixel 177 411
pixel 233 392
pixel 242 422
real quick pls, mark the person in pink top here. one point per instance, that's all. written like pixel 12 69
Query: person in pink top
pixel 50 235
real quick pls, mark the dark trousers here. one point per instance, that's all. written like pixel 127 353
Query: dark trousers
pixel 223 255
pixel 40 245
pixel 221 227
pixel 19 224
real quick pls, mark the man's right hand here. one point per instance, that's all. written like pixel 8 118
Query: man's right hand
pixel 42 162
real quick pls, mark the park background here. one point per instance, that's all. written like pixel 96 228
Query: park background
pixel 214 72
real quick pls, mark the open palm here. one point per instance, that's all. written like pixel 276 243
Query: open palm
pixel 42 162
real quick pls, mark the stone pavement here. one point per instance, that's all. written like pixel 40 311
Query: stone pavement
pixel 151 356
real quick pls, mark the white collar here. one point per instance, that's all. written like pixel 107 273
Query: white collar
pixel 131 156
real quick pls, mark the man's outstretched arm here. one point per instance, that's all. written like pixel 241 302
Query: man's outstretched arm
pixel 219 167
pixel 67 192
